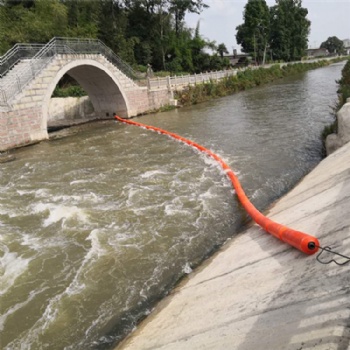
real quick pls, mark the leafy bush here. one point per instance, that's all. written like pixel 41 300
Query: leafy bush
pixel 140 68
pixel 69 91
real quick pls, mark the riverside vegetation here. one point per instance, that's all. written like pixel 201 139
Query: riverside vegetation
pixel 244 80
pixel 343 95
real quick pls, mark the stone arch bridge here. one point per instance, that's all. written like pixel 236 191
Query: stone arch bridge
pixel 30 72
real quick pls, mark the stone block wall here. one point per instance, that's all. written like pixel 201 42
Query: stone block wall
pixel 142 101
pixel 70 108
pixel 20 127
pixel 159 98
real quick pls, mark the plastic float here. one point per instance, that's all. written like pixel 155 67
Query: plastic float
pixel 300 240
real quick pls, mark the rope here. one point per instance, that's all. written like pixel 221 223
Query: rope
pixel 329 250
pixel 300 240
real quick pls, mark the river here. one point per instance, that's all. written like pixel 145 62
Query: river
pixel 97 226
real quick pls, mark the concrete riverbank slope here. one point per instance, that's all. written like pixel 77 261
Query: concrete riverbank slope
pixel 259 293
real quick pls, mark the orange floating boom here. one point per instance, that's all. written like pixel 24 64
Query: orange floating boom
pixel 300 240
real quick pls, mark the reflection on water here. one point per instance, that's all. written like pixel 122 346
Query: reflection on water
pixel 97 226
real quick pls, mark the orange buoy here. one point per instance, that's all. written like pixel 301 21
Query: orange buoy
pixel 304 242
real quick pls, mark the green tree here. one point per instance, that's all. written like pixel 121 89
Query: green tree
pixel 333 45
pixel 253 34
pixel 201 59
pixel 179 57
pixel 289 30
pixel 83 18
pixel 149 22
pixel 164 40
pixel 39 21
pixel 180 7
pixel 112 30
pixel 222 49
pixel 46 19
pixel 139 31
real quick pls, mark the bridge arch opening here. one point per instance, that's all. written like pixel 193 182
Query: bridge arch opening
pixel 69 105
pixel 103 99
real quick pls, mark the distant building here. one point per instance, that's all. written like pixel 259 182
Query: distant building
pixel 317 52
pixel 346 43
pixel 239 59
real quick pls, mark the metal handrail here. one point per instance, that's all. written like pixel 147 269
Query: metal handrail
pixel 40 55
pixel 96 46
pixel 16 54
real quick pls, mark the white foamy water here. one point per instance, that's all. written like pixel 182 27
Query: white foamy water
pixel 59 212
pixel 152 173
pixel 78 182
pixel 54 313
pixel 12 266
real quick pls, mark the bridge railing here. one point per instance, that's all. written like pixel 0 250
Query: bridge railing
pixel 23 69
pixel 16 54
pixel 178 82
pixel 96 46
pixel 27 60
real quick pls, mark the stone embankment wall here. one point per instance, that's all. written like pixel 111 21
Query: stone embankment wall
pixel 335 141
pixel 69 109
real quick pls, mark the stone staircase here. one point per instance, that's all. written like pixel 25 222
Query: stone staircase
pixel 16 79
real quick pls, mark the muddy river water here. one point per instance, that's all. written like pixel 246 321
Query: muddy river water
pixel 97 226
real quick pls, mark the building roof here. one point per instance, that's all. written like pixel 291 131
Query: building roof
pixel 346 43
